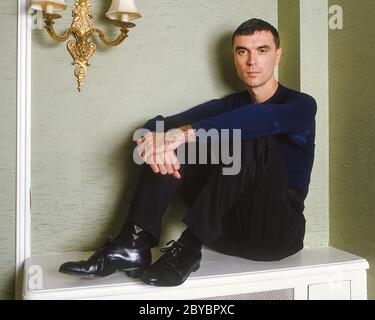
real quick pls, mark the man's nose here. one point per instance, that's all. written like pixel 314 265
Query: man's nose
pixel 251 59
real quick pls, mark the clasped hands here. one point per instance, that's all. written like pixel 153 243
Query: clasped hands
pixel 158 149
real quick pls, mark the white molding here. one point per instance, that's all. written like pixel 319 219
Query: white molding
pixel 23 209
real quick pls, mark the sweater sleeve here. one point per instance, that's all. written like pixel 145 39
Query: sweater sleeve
pixel 257 120
pixel 208 109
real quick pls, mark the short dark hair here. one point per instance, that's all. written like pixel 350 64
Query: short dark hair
pixel 251 26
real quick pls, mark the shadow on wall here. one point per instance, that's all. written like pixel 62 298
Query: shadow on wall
pixel 222 64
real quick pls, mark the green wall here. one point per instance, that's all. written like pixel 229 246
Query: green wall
pixel 304 39
pixel 83 177
pixel 8 60
pixel 352 139
pixel 289 30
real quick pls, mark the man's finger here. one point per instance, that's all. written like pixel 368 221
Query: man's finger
pixel 151 161
pixel 168 162
pixel 176 174
pixel 162 169
pixel 154 168
pixel 174 161
pixel 148 151
pixel 140 150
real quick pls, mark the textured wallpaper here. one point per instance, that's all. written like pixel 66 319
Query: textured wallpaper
pixel 289 29
pixel 352 127
pixel 8 60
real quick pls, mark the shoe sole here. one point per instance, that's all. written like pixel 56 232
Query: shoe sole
pixel 133 273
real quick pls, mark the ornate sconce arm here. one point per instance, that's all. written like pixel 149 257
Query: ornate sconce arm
pixel 50 29
pixel 121 37
pixel 82 46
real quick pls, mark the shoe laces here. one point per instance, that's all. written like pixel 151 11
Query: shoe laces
pixel 174 249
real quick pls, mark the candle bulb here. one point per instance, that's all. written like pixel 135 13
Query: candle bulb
pixel 49 8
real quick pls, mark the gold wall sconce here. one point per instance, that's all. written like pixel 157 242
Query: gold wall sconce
pixel 82 29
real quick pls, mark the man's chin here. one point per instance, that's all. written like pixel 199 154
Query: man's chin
pixel 253 85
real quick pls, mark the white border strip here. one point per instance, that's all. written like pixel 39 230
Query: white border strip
pixel 23 141
pixel 315 81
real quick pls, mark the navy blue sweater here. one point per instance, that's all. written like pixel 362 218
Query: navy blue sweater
pixel 288 114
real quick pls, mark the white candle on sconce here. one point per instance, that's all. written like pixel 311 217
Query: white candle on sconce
pixel 123 10
pixel 49 6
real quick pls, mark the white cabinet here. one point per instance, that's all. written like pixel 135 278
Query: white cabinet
pixel 318 273
pixel 337 290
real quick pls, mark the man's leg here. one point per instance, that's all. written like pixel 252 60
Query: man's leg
pixel 130 250
pixel 221 192
pixel 261 164
pixel 253 214
pixel 154 192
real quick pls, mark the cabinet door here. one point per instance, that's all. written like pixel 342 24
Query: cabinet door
pixel 339 290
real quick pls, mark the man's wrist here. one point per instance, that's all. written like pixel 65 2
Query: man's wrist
pixel 189 133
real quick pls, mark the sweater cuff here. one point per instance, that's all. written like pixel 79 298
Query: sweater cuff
pixel 151 124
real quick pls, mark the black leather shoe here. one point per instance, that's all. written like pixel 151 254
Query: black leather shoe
pixel 173 267
pixel 112 257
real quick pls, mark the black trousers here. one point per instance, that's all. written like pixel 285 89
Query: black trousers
pixel 252 214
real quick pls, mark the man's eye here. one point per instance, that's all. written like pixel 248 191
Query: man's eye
pixel 262 51
pixel 241 52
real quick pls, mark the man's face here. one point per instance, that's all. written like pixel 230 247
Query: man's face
pixel 255 58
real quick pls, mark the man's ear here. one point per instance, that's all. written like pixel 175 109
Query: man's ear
pixel 279 53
